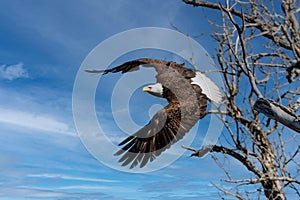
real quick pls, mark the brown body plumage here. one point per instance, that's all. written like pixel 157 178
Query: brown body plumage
pixel 187 104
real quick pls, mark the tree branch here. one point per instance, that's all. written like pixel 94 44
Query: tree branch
pixel 278 112
pixel 257 180
pixel 263 27
pixel 220 149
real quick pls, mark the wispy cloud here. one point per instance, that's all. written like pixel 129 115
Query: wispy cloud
pixel 12 72
pixel 28 192
pixel 37 193
pixel 75 178
pixel 34 121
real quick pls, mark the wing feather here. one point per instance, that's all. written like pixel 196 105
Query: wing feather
pixel 135 64
pixel 149 142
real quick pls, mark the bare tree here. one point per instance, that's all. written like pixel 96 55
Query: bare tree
pixel 258 56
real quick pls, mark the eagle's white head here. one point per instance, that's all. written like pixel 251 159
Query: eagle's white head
pixel 156 89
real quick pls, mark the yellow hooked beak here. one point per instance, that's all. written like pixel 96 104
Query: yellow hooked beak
pixel 146 89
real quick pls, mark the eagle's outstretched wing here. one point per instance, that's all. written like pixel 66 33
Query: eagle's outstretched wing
pixel 208 87
pixel 166 127
pixel 135 64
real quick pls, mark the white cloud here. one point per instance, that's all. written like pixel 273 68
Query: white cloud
pixel 11 72
pixel 28 192
pixel 47 193
pixel 34 121
pixel 65 177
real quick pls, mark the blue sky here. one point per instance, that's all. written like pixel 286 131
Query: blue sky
pixel 43 44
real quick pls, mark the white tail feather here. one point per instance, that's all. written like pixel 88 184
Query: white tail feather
pixel 209 88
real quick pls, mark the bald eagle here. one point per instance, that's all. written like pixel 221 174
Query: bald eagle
pixel 187 93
